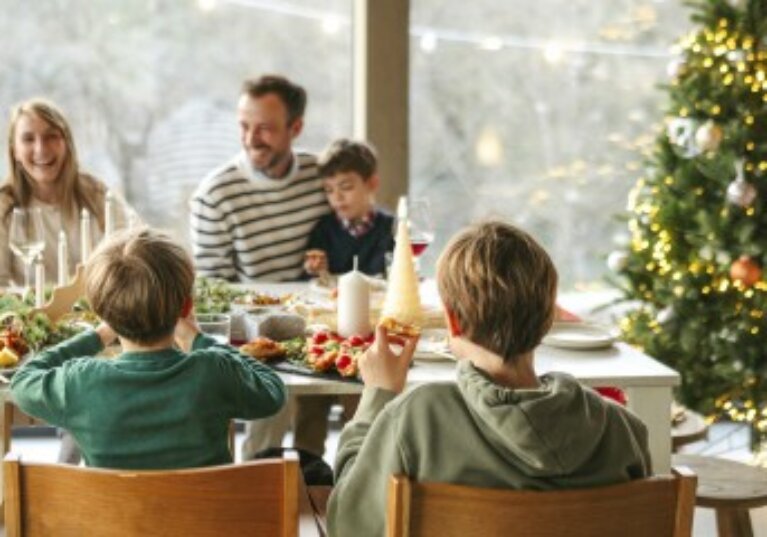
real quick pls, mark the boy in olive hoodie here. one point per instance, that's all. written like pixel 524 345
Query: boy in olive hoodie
pixel 500 425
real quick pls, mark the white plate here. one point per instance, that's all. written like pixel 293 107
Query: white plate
pixel 433 346
pixel 326 288
pixel 575 335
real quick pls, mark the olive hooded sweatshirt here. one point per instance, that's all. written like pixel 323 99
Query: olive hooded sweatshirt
pixel 478 433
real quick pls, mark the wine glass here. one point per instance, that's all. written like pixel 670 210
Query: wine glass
pixel 420 227
pixel 26 239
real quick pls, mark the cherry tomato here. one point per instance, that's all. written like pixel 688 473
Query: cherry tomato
pixel 317 349
pixel 335 337
pixel 343 361
pixel 356 341
pixel 320 338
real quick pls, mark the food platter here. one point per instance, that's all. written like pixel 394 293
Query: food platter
pixel 579 336
pixel 297 368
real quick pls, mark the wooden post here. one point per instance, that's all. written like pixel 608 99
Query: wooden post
pixel 381 89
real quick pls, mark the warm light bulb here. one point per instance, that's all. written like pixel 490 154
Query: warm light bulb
pixel 489 148
pixel 553 52
pixel 491 43
pixel 428 42
pixel 331 25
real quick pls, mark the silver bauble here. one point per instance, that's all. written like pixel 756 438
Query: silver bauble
pixel 740 192
pixel 681 134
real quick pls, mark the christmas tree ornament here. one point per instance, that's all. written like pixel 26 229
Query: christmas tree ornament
pixel 706 253
pixel 723 257
pixel 709 136
pixel 666 315
pixel 676 68
pixel 617 260
pixel 746 271
pixel 681 134
pixel 740 192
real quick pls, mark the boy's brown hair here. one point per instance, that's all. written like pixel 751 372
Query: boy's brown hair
pixel 292 95
pixel 344 156
pixel 501 285
pixel 138 281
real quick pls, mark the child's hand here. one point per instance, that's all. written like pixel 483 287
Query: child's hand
pixel 380 367
pixel 185 332
pixel 316 262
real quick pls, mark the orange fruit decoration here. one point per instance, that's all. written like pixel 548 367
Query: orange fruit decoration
pixel 746 271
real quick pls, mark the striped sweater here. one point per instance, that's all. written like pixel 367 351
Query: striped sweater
pixel 247 226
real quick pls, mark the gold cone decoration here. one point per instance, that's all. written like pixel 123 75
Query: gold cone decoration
pixel 402 302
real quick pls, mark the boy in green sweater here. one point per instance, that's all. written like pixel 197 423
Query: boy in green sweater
pixel 155 406
pixel 499 425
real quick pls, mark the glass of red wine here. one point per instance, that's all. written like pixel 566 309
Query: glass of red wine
pixel 420 226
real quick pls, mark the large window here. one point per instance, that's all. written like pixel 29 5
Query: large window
pixel 150 86
pixel 537 112
pixel 534 111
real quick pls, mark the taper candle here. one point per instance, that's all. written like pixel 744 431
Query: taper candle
pixel 85 235
pixel 39 281
pixel 63 251
pixel 109 214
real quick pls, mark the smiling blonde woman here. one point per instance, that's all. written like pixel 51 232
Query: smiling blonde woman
pixel 44 173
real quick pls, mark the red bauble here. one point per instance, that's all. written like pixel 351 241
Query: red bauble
pixel 745 270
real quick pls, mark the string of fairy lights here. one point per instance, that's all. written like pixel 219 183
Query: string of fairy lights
pixel 488 147
pixel 429 37
pixel 735 60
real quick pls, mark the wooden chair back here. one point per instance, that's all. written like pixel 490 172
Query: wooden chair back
pixel 660 506
pixel 253 498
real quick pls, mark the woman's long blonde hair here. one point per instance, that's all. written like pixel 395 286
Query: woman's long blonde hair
pixel 76 190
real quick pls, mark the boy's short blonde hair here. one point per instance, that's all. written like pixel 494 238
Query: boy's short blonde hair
pixel 343 156
pixel 138 281
pixel 501 285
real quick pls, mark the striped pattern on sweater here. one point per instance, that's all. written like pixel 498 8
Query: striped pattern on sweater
pixel 246 229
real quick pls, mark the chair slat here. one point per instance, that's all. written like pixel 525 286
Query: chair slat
pixel 653 507
pixel 255 498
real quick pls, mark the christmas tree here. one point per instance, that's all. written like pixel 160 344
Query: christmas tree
pixel 698 219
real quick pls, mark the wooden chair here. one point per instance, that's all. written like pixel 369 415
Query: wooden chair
pixel 659 506
pixel 254 498
pixel 729 487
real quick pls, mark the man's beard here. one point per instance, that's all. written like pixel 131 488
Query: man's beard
pixel 275 159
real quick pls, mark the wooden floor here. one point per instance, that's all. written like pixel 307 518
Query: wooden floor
pixel 724 440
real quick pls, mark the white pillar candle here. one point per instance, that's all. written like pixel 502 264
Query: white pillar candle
pixel 109 214
pixel 85 235
pixel 63 251
pixel 353 304
pixel 39 282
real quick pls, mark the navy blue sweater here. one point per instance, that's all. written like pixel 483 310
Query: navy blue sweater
pixel 340 246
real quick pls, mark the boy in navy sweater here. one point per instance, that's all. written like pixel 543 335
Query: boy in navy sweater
pixel 356 227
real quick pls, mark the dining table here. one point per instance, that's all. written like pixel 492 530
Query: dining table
pixel 648 384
